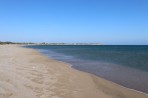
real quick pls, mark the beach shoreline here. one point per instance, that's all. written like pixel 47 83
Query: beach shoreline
pixel 27 70
pixel 90 61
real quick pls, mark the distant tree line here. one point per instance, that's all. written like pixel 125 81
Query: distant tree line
pixel 6 43
pixel 43 43
pixel 3 43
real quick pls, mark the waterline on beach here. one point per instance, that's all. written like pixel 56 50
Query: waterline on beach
pixel 123 75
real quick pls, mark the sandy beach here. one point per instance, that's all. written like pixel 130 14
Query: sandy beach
pixel 26 73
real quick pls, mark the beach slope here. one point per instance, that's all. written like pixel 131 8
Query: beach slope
pixel 25 73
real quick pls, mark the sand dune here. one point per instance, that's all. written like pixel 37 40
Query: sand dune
pixel 25 73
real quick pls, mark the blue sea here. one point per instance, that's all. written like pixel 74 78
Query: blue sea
pixel 126 65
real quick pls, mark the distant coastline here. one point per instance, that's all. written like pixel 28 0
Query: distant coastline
pixel 44 43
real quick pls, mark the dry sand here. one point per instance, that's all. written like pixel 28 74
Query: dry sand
pixel 25 73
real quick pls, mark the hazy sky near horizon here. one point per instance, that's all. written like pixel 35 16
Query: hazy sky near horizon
pixel 102 21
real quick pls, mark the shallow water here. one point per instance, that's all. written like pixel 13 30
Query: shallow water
pixel 125 65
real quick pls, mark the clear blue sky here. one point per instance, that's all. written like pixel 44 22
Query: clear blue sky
pixel 103 21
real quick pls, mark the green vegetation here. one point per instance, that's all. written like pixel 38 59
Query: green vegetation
pixel 2 43
pixel 44 43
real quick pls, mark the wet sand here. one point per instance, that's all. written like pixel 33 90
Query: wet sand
pixel 25 73
pixel 127 77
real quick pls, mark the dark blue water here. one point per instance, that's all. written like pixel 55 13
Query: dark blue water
pixel 125 65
